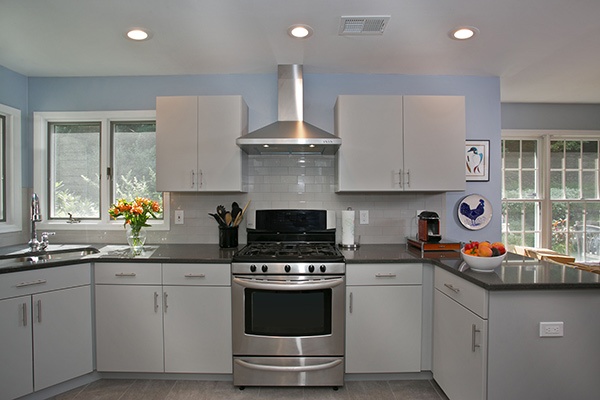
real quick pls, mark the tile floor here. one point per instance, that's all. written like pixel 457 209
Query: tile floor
pixel 112 389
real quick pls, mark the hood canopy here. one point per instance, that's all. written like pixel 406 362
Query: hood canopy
pixel 290 134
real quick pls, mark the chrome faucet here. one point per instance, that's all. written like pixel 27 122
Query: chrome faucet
pixel 36 216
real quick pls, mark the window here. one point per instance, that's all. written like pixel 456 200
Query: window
pixel 93 159
pixel 551 192
pixel 10 170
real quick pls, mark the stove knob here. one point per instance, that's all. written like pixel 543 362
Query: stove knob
pixel 311 268
pixel 264 268
pixel 323 268
pixel 253 268
pixel 287 268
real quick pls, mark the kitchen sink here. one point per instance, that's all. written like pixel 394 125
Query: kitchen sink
pixel 54 254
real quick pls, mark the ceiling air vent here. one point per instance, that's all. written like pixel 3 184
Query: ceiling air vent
pixel 363 25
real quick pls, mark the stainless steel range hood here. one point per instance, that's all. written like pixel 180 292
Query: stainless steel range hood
pixel 290 134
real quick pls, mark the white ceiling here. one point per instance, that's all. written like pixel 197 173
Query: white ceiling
pixel 542 50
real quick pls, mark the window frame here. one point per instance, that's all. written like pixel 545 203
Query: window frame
pixel 13 173
pixel 546 136
pixel 41 121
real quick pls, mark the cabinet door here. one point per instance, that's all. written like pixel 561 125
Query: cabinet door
pixel 177 143
pixel 16 367
pixel 459 350
pixel 434 143
pixel 370 158
pixel 221 120
pixel 197 324
pixel 383 329
pixel 62 335
pixel 129 335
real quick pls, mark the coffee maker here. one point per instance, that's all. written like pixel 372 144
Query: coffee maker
pixel 429 227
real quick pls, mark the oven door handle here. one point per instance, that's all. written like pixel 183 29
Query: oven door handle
pixel 289 285
pixel 278 368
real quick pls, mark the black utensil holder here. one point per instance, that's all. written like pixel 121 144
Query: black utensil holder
pixel 228 236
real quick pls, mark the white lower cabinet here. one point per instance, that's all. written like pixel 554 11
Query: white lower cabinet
pixel 460 327
pixel 46 334
pixel 181 326
pixel 129 328
pixel 383 318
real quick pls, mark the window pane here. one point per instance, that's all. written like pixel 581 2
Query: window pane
pixel 589 184
pixel 590 154
pixel 511 185
pixel 514 216
pixel 528 184
pixel 572 185
pixel 559 227
pixel 556 185
pixel 573 154
pixel 530 210
pixel 2 168
pixel 512 153
pixel 556 154
pixel 74 170
pixel 529 156
pixel 134 161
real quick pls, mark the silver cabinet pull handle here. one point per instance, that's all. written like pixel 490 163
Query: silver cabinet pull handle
pixel 454 289
pixel 408 177
pixel 39 311
pixel 155 301
pixel 351 303
pixel 195 276
pixel 165 295
pixel 24 310
pixel 193 178
pixel 125 274
pixel 385 275
pixel 200 179
pixel 474 331
pixel 400 176
pixel 24 284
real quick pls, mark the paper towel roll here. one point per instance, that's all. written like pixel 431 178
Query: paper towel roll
pixel 347 227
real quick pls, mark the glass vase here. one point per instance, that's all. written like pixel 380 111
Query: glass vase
pixel 136 237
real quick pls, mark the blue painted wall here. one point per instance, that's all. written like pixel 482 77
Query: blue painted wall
pixel 13 93
pixel 260 93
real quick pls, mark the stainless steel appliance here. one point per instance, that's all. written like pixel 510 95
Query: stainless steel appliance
pixel 288 301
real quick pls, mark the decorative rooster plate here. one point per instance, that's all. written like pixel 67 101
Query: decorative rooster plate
pixel 474 212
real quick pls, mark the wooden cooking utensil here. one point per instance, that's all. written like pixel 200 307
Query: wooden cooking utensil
pixel 239 217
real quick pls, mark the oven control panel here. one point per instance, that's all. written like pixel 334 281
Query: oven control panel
pixel 291 268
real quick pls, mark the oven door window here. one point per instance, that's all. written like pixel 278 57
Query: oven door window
pixel 288 313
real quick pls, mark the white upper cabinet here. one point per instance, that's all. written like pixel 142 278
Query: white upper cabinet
pixel 400 143
pixel 195 143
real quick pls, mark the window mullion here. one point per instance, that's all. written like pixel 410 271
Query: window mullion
pixel 105 182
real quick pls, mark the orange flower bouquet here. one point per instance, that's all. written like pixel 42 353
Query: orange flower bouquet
pixel 136 214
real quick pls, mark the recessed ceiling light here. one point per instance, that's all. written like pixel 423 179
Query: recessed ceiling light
pixel 138 34
pixel 300 31
pixel 463 32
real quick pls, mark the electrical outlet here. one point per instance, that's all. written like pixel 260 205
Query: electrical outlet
pixel 551 329
pixel 364 217
pixel 179 217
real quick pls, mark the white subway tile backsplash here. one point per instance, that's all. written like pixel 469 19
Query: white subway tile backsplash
pixel 276 181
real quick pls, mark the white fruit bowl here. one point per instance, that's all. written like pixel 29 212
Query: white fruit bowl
pixel 482 264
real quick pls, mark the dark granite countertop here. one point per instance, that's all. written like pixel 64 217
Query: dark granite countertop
pixel 515 273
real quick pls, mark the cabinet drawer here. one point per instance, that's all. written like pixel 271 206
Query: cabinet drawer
pixel 128 273
pixel 384 274
pixel 466 293
pixel 44 280
pixel 197 274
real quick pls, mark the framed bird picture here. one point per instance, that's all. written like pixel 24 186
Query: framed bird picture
pixel 477 160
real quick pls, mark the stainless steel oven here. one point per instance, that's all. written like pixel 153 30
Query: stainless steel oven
pixel 288 302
